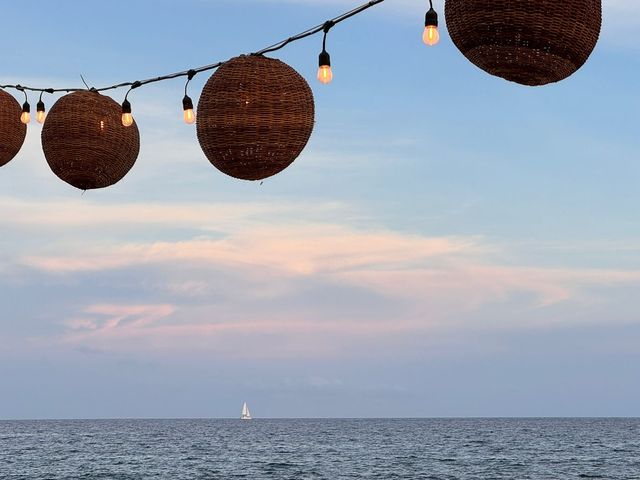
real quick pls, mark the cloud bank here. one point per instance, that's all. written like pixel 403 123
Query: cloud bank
pixel 280 288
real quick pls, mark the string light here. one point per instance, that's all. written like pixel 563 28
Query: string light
pixel 189 114
pixel 325 75
pixel 25 116
pixel 41 114
pixel 127 118
pixel 187 103
pixel 430 36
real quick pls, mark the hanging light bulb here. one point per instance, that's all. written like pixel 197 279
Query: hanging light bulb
pixel 325 75
pixel 41 114
pixel 127 118
pixel 189 114
pixel 431 36
pixel 187 103
pixel 25 116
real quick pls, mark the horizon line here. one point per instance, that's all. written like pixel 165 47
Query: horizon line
pixel 78 419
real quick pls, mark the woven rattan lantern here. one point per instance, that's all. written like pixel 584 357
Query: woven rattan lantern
pixel 12 130
pixel 86 144
pixel 255 115
pixel 531 42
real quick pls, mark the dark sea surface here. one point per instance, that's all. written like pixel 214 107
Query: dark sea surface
pixel 328 449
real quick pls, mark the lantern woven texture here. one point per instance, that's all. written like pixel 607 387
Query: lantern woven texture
pixel 531 42
pixel 255 116
pixel 86 144
pixel 12 130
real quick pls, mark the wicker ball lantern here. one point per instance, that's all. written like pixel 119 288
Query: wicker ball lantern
pixel 86 144
pixel 255 116
pixel 531 42
pixel 12 130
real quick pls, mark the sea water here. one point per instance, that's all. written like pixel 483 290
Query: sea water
pixel 449 449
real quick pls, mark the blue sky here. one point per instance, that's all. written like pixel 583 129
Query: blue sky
pixel 448 244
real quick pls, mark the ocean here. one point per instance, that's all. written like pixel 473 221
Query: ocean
pixel 442 449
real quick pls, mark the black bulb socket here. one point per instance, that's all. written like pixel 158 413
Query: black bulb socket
pixel 431 18
pixel 40 107
pixel 187 103
pixel 126 107
pixel 324 60
pixel 26 108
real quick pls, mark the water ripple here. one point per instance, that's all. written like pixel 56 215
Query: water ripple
pixel 469 449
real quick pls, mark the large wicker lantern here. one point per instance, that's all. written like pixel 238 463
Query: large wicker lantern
pixel 12 130
pixel 255 115
pixel 532 42
pixel 86 144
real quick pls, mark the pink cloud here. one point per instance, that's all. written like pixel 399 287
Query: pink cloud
pixel 104 320
pixel 459 273
pixel 432 301
pixel 298 250
pixel 463 287
pixel 137 327
pixel 85 213
pixel 430 283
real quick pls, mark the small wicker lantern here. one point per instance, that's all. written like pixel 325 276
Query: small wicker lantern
pixel 86 144
pixel 12 130
pixel 531 42
pixel 255 115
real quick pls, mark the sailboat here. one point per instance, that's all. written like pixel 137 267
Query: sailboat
pixel 246 414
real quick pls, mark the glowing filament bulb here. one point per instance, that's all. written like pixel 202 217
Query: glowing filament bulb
pixel 189 117
pixel 430 35
pixel 25 117
pixel 127 118
pixel 41 114
pixel 325 75
pixel 189 114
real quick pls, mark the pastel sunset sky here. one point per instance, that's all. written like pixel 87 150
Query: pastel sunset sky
pixel 448 244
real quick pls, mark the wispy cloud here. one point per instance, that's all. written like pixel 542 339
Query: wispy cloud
pixel 85 213
pixel 313 287
pixel 290 249
pixel 103 318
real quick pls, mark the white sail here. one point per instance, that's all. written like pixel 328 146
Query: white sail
pixel 246 414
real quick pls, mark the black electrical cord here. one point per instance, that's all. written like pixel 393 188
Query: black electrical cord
pixel 193 71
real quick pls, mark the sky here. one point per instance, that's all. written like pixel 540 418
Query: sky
pixel 448 244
